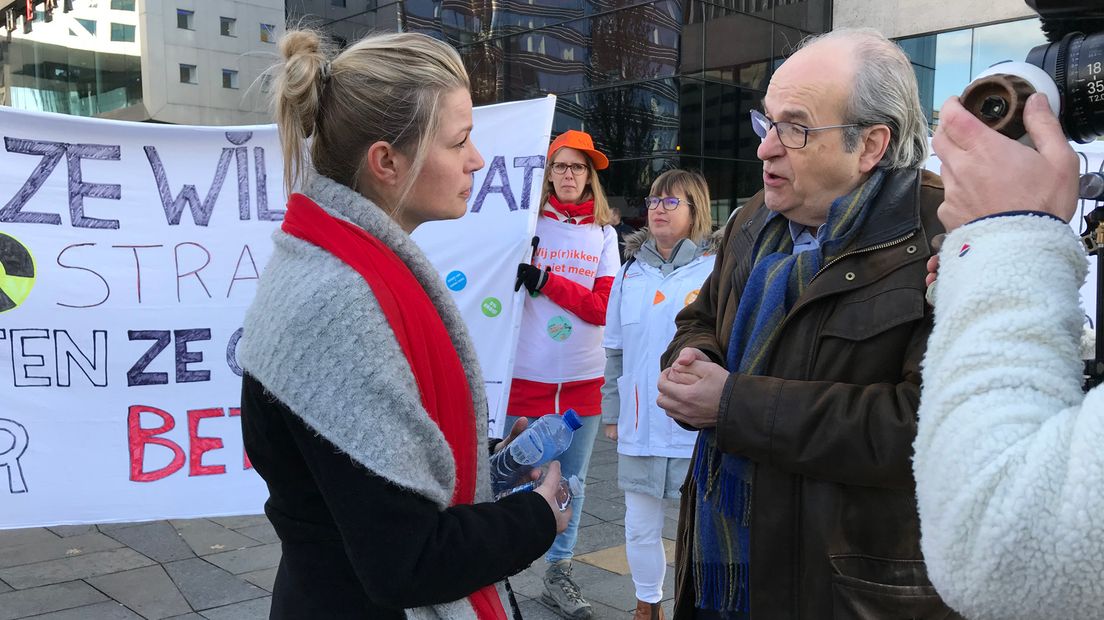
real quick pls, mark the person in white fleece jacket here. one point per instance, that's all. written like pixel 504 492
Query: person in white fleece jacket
pixel 1009 459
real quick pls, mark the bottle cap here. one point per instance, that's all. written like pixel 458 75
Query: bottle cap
pixel 572 419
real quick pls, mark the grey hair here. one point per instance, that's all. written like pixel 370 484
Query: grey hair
pixel 884 93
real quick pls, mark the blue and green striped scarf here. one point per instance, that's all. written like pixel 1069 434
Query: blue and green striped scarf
pixel 722 532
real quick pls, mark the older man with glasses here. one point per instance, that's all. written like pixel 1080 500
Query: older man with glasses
pixel 800 359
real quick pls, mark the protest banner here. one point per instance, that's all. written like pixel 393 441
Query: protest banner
pixel 128 255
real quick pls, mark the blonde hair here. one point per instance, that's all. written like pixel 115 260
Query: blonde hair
pixel 697 191
pixel 385 87
pixel 602 213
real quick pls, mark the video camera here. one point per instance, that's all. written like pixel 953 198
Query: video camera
pixel 1069 69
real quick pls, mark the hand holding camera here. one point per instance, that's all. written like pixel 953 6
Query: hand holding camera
pixel 1040 179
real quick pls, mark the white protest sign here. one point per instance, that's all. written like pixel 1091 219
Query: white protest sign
pixel 128 256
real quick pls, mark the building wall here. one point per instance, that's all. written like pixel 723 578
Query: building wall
pixel 903 18
pixel 165 47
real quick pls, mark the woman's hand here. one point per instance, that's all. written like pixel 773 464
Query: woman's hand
pixel 550 491
pixel 611 432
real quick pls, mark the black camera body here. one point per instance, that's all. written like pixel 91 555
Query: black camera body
pixel 1069 69
pixel 1074 59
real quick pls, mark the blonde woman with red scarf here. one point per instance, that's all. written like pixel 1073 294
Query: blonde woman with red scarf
pixel 363 406
pixel 560 361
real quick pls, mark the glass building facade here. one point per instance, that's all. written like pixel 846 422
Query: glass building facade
pixel 659 83
pixel 945 63
pixel 86 65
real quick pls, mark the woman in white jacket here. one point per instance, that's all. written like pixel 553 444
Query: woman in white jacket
pixel 1009 453
pixel 666 266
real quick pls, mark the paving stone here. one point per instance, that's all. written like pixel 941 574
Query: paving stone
pixel 261 533
pixel 603 458
pixel 601 536
pixel 108 610
pixel 670 529
pixel 23 603
pixel 76 567
pixel 588 519
pixel 26 536
pixel 207 537
pixel 247 560
pixel 157 540
pixel 604 509
pixel 206 586
pixel 148 591
pixel 239 522
pixel 256 609
pixel 263 578
pixel 191 616
pixel 4 587
pixel 605 489
pixel 108 527
pixel 55 549
pixel 67 531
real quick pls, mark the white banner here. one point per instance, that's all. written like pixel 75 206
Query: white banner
pixel 1092 160
pixel 128 255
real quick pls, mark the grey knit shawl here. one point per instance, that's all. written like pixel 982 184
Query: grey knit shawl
pixel 317 340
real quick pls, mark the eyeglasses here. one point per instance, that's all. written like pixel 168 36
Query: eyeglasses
pixel 791 135
pixel 670 203
pixel 562 168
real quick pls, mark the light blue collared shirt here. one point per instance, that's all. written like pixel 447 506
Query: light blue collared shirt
pixel 803 240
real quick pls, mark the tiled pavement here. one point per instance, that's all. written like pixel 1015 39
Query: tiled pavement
pixel 223 568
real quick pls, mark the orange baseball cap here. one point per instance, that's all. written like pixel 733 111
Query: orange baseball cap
pixel 579 140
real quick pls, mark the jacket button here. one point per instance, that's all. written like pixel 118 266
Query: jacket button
pixel 911 249
pixel 850 275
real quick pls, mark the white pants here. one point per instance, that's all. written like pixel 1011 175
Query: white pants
pixel 644 544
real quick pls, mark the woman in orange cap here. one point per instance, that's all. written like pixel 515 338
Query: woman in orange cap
pixel 560 361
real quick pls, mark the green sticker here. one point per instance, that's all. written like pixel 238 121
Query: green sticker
pixel 559 328
pixel 491 307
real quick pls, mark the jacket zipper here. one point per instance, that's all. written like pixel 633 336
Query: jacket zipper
pixel 873 248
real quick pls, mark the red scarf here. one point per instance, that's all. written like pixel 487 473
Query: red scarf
pixel 423 338
pixel 581 213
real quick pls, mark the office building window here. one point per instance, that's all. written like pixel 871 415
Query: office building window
pixel 226 26
pixel 122 32
pixel 945 63
pixel 122 5
pixel 87 24
pixel 268 33
pixel 229 78
pixel 187 74
pixel 340 3
pixel 185 19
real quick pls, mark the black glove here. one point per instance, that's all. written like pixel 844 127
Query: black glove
pixel 531 277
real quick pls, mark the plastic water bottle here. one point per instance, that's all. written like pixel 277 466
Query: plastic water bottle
pixel 542 442
pixel 569 488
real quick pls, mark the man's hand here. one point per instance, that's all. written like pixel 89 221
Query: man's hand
pixel 690 390
pixel 985 173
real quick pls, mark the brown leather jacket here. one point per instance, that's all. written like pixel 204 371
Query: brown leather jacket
pixel 834 527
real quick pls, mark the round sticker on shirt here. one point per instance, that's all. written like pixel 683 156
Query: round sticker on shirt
pixel 559 328
pixel 491 307
pixel 456 280
pixel 691 296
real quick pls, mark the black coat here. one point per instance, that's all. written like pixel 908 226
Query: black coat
pixel 357 546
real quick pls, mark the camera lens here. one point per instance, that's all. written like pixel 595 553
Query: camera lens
pixel 1077 65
